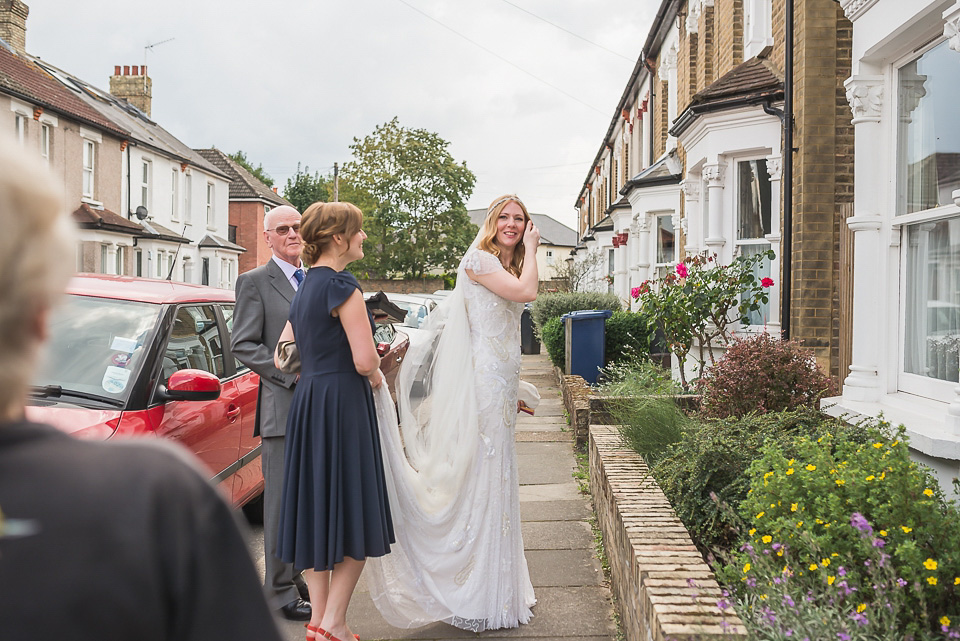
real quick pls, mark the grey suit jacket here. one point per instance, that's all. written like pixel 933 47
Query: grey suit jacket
pixel 263 306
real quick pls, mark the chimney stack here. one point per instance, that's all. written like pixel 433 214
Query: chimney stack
pixel 132 85
pixel 13 24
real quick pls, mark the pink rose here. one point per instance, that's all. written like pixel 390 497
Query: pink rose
pixel 681 270
pixel 766 282
pixel 635 292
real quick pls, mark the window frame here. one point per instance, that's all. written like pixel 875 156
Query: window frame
pixel 174 194
pixel 89 170
pixel 46 141
pixel 211 206
pixel 926 387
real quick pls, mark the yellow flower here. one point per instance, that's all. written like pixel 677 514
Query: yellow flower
pixel 820 440
pixel 834 554
pixel 878 445
pixel 760 514
pixel 773 505
pixel 840 482
pixel 767 538
pixel 861 607
pixel 825 562
pixel 813 566
pixel 790 462
pixel 763 597
pixel 793 507
pixel 928 492
pixel 811 467
pixel 871 477
pixel 831 579
pixel 906 530
pixel 956 580
pixel 932 580
pixel 895 443
pixel 789 471
pixel 799 523
pixel 930 564
pixel 752 530
pixel 883 532
pixel 944 620
pixel 883 475
pixel 746 567
pixel 819 521
pixel 833 471
pixel 826 525
pixel 780 553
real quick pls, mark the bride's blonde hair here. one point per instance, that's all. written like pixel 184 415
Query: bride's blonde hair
pixel 488 238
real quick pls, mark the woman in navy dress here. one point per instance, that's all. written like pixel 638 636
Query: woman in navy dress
pixel 334 510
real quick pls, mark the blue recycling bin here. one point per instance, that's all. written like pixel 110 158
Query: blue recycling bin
pixel 584 337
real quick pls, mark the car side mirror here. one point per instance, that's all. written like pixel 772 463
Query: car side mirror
pixel 382 348
pixel 189 385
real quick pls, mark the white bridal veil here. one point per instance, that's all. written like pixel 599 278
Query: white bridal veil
pixel 430 460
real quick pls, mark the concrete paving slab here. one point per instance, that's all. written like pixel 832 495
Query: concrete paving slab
pixel 556 436
pixel 563 535
pixel 564 568
pixel 551 492
pixel 576 510
pixel 565 612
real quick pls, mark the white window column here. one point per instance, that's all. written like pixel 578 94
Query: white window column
pixel 865 95
pixel 111 265
pixel 713 174
pixel 691 214
pixel 775 171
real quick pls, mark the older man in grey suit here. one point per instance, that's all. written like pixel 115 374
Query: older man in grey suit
pixel 264 295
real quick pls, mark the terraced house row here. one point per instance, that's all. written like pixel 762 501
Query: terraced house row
pixel 146 203
pixel 837 147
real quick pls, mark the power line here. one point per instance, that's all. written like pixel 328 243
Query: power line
pixel 497 55
pixel 564 29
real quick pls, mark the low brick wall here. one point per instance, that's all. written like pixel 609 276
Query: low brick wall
pixel 422 286
pixel 576 400
pixel 664 588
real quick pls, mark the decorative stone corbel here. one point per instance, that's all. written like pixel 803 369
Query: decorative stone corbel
pixel 856 8
pixel 774 167
pixel 691 189
pixel 713 174
pixel 951 26
pixel 865 95
pixel 668 63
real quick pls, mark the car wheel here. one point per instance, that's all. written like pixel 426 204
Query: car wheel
pixel 253 510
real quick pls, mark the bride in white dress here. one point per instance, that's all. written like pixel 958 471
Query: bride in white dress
pixel 451 462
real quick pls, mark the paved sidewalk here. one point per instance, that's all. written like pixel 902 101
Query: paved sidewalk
pixel 572 601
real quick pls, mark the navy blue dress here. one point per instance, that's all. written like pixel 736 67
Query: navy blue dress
pixel 334 501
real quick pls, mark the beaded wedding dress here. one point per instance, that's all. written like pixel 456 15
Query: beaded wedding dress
pixel 451 468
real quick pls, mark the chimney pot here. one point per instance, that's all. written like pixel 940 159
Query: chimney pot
pixel 136 70
pixel 274 190
pixel 126 70
pixel 143 70
pixel 116 70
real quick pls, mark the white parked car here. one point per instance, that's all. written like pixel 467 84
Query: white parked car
pixel 417 308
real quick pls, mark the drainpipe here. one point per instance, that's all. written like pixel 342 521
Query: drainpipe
pixel 787 188
pixel 646 63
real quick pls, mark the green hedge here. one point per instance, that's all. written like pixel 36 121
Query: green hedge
pixel 627 338
pixel 549 306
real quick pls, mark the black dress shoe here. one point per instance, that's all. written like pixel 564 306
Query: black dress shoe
pixel 297 610
pixel 302 587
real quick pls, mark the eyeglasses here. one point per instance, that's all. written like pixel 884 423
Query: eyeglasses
pixel 283 230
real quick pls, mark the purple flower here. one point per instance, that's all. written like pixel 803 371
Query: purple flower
pixel 841 571
pixel 901 582
pixel 788 601
pixel 777 580
pixel 859 618
pixel 751 582
pixel 858 521
pixel 723 604
pixel 879 543
pixel 843 636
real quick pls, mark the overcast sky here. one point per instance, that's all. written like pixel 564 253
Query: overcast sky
pixel 524 103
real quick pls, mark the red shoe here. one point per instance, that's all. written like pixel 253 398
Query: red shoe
pixel 311 631
pixel 326 635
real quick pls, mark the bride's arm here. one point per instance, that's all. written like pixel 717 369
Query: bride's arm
pixel 504 284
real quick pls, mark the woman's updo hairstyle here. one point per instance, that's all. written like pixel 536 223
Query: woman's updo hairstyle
pixel 322 221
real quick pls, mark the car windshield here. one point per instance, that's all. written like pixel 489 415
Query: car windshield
pixel 95 348
pixel 416 313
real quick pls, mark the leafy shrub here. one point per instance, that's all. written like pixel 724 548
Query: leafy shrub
pixel 838 503
pixel 554 339
pixel 636 376
pixel 761 373
pixel 549 306
pixel 707 469
pixel 627 336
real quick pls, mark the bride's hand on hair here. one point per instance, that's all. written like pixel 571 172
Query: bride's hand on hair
pixel 531 236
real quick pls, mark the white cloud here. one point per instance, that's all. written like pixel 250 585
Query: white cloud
pixel 295 81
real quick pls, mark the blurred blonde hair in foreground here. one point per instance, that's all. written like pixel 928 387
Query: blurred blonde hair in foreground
pixel 37 257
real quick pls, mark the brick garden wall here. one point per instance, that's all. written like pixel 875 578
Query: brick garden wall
pixel 664 589
pixel 424 286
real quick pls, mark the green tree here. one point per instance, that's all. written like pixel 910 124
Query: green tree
pixel 420 220
pixel 241 159
pixel 303 188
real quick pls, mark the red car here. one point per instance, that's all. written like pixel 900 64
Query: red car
pixel 140 357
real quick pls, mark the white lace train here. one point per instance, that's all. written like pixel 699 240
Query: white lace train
pixel 452 469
